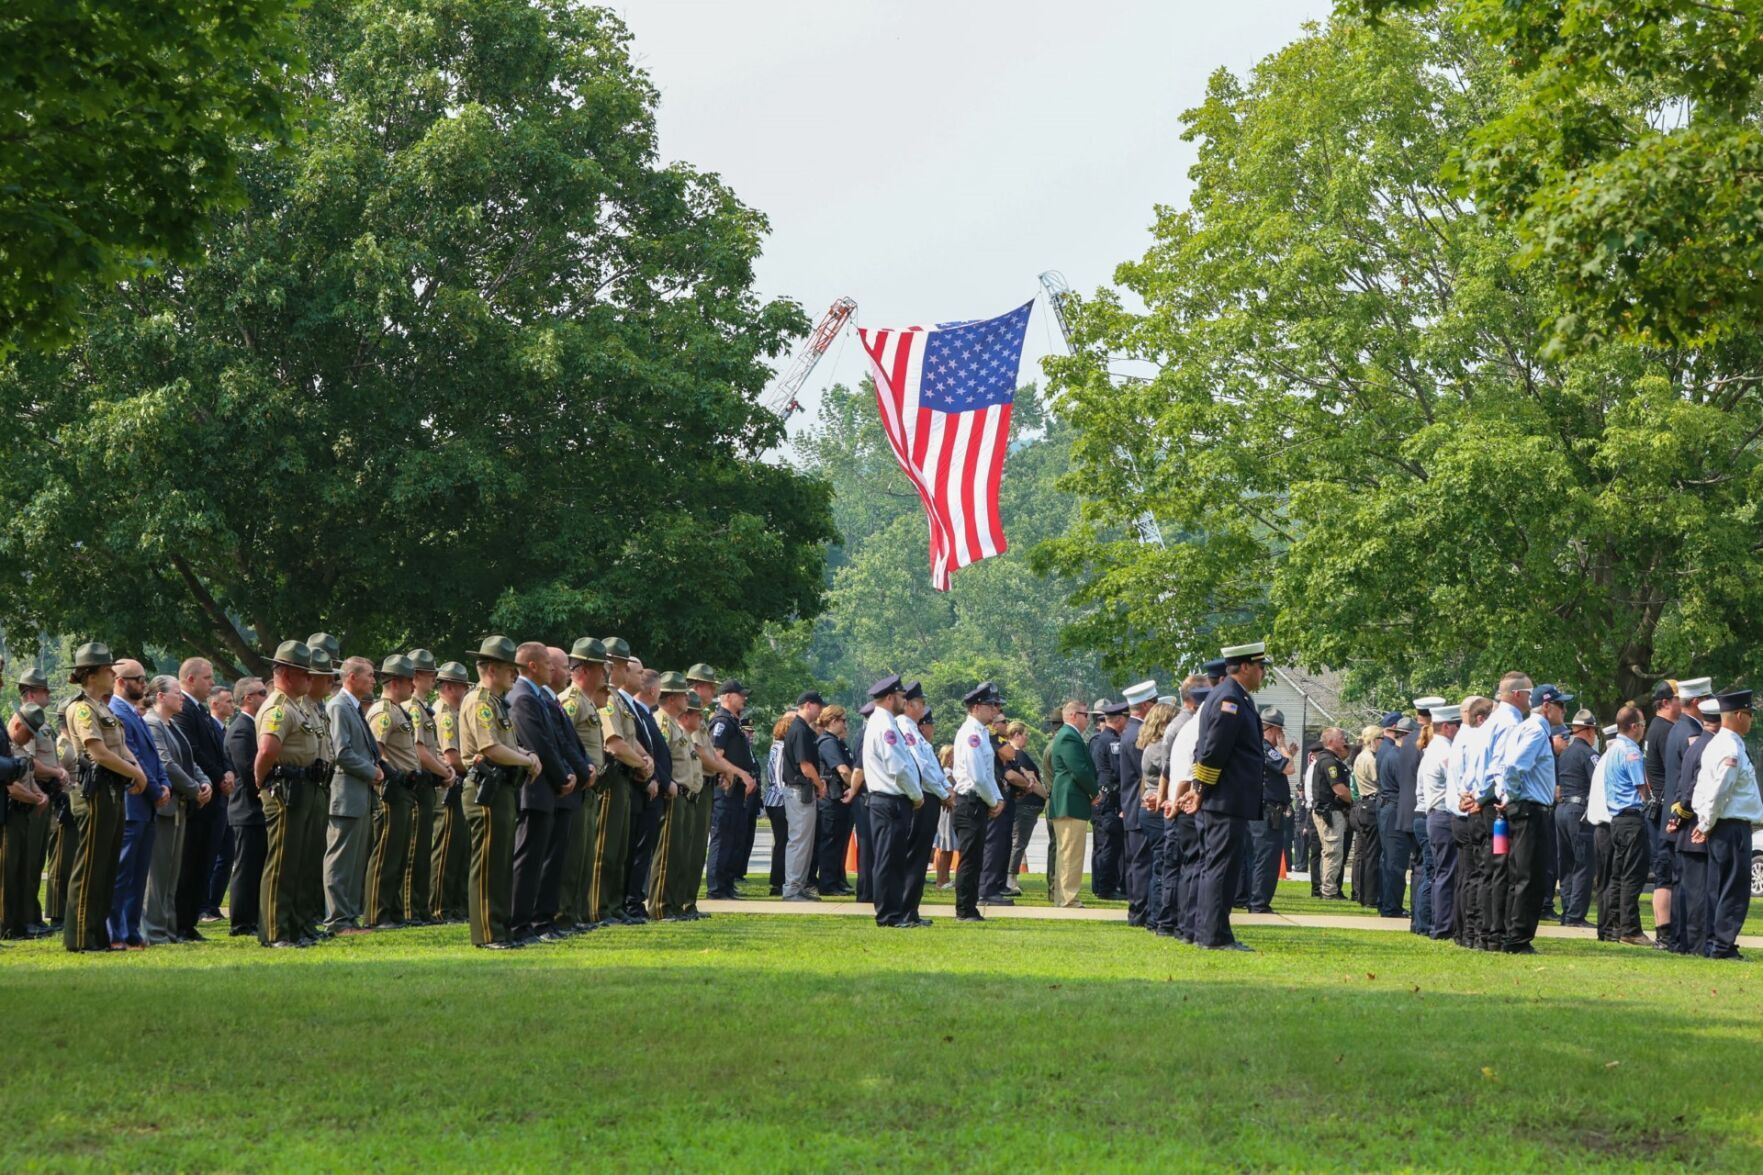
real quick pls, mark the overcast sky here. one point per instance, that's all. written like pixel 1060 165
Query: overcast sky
pixel 931 159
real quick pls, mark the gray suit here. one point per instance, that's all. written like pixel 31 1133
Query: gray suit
pixel 352 800
pixel 159 911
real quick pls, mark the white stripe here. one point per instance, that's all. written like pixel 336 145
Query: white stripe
pixel 952 486
pixel 914 374
pixel 989 442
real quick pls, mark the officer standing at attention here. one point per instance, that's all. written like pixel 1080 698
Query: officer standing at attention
pixel 1573 836
pixel 1727 805
pixel 890 775
pixel 728 807
pixel 392 728
pixel 1105 823
pixel 1686 730
pixel 1137 849
pixel 1692 897
pixel 628 766
pixel 937 792
pixel 1666 711
pixel 581 701
pixel 54 780
pixel 452 844
pixel 1265 842
pixel 20 799
pixel 696 785
pixel 1228 767
pixel 286 774
pixel 433 783
pixel 321 684
pixel 978 798
pixel 106 771
pixel 1523 772
pixel 497 767
pixel 668 872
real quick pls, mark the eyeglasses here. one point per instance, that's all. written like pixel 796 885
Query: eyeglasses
pixel 133 677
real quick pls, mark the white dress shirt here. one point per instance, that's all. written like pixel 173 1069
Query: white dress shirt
pixel 975 765
pixel 889 768
pixel 1434 784
pixel 1726 785
pixel 930 772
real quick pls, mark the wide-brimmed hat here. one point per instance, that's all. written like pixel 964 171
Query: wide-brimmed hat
pixel 32 678
pixel 453 671
pixel 589 648
pixel 293 654
pixel 397 665
pixel 617 648
pixel 701 672
pixel 322 665
pixel 496 648
pixel 327 642
pixel 421 660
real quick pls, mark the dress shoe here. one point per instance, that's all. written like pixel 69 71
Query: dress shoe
pixel 1580 923
pixel 554 935
pixel 916 921
pixel 193 936
pixel 970 918
pixel 996 902
pixel 211 915
pixel 1234 946
pixel 1635 940
pixel 1524 949
pixel 241 931
pixel 500 944
pixel 1260 909
pixel 804 896
pixel 282 944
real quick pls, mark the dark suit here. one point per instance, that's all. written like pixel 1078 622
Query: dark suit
pixel 1228 766
pixel 1105 823
pixel 646 816
pixel 567 811
pixel 244 812
pixel 534 729
pixel 202 826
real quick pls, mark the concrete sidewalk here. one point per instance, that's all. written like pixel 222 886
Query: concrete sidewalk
pixel 1055 914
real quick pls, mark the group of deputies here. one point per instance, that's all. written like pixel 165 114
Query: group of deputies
pixel 556 794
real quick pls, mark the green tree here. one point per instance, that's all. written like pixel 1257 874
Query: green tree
pixel 470 359
pixel 1631 162
pixel 1358 442
pixel 121 125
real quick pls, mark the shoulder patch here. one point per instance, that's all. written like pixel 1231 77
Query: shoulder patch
pixel 572 707
pixel 1228 707
pixel 485 713
pixel 891 737
pixel 1632 756
pixel 911 740
pixel 85 712
pixel 973 740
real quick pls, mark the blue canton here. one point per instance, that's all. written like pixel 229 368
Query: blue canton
pixel 974 365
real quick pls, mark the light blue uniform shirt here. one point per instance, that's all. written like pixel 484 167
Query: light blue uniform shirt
pixel 1500 723
pixel 1524 762
pixel 1625 775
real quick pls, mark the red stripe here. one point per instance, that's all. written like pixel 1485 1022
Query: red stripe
pixel 939 491
pixel 995 476
pixel 969 482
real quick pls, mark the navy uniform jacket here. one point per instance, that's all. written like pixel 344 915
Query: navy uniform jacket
pixel 576 755
pixel 1573 770
pixel 1105 757
pixel 1406 764
pixel 1131 770
pixel 1658 734
pixel 1687 770
pixel 1388 787
pixel 1683 732
pixel 1276 786
pixel 1229 760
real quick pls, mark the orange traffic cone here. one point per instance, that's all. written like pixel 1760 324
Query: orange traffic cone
pixel 851 855
pixel 1282 866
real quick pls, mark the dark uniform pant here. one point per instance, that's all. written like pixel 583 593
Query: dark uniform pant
pixel 1494 905
pixel 865 849
pixel 970 820
pixel 1192 854
pixel 1167 915
pixel 1470 834
pixel 1396 844
pixel 699 837
pixel 578 861
pixel 1729 889
pixel 1628 872
pixel 1135 861
pixel 1603 853
pixel 612 836
pixel 37 854
pixel 490 887
pixel 1573 852
pixel 315 808
pixel 994 878
pixel 16 883
pixel 1441 835
pixel 645 834
pixel 1264 842
pixel 1692 910
pixel 832 833
pixel 1151 833
pixel 285 853
pixel 1532 830
pixel 391 850
pixel 779 818
pixel 97 848
pixel 63 847
pixel 672 884
pixel 890 823
pixel 418 859
pixel 1221 841
pixel 250 845
pixel 728 820
pixel 532 845
pixel 1110 840
pixel 1421 879
pixel 923 840
pixel 450 862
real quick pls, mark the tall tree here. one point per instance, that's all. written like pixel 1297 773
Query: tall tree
pixel 469 359
pixel 1631 162
pixel 121 125
pixel 1358 437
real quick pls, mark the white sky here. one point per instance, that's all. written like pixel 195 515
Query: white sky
pixel 931 159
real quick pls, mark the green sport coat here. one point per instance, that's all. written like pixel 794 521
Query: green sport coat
pixel 1074 776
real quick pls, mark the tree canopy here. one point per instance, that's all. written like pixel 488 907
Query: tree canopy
pixel 468 359
pixel 121 127
pixel 1360 443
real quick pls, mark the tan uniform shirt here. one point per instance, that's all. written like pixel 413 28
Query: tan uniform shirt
pixel 423 719
pixel 321 720
pixel 701 742
pixel 585 717
pixel 679 749
pixel 446 727
pixel 396 735
pixel 293 723
pixel 484 720
pixel 70 754
pixel 617 721
pixel 88 718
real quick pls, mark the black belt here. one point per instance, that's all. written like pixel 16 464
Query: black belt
pixel 1634 810
pixel 1574 799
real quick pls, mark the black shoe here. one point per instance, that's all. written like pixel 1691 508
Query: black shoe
pixel 1522 949
pixel 776 891
pixel 210 915
pixel 1162 932
pixel 192 935
pixel 241 931
pixel 499 945
pixel 996 902
pixel 555 935
pixel 1579 923
pixel 1234 946
pixel 1260 909
pixel 636 918
pixel 804 896
pixel 282 943
pixel 969 918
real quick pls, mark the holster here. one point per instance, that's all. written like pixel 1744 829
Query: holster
pixel 488 778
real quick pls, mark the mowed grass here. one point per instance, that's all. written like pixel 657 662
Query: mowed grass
pixel 809 1043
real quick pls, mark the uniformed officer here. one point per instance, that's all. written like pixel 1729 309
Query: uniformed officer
pixel 728 806
pixel 698 779
pixel 1228 767
pixel 1276 798
pixel 1573 836
pixel 1692 899
pixel 628 769
pixel 1105 822
pixel 395 732
pixel 497 766
pixel 321 684
pixel 452 841
pixel 21 800
pixel 890 775
pixel 1727 805
pixel 1624 778
pixel 1142 835
pixel 722 777
pixel 1522 771
pixel 286 770
pixel 1686 729
pixel 434 780
pixel 54 780
pixel 582 699
pixel 937 792
pixel 978 798
pixel 669 871
pixel 106 771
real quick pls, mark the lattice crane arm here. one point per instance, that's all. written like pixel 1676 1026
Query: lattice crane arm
pixel 782 399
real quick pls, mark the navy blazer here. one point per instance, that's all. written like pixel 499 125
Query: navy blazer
pixel 245 805
pixel 206 747
pixel 533 729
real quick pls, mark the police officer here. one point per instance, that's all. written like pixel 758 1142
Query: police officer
pixel 497 766
pixel 628 769
pixel 321 686
pixel 1573 836
pixel 395 732
pixel 1692 899
pixel 1228 767
pixel 1523 772
pixel 668 871
pixel 890 776
pixel 581 701
pixel 21 799
pixel 106 771
pixel 696 788
pixel 1276 798
pixel 1686 729
pixel 286 768
pixel 451 863
pixel 729 804
pixel 721 776
pixel 434 780
pixel 1105 823
pixel 978 798
pixel 1727 805
pixel 1143 832
pixel 911 722
pixel 54 780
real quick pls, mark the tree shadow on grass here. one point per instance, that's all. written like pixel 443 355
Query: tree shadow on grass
pixel 805 1043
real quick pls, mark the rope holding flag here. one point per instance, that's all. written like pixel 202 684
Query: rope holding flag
pixel 945 396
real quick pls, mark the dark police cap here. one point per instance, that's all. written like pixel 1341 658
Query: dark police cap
pixel 929 719
pixel 732 686
pixel 983 694
pixel 33 716
pixel 453 671
pixel 866 709
pixel 1560 730
pixel 32 678
pixel 496 648
pixel 914 689
pixel 1114 709
pixel 887 685
pixel 1390 718
pixel 810 696
pixel 327 642
pixel 617 648
pixel 588 648
pixel 421 660
pixel 1214 667
pixel 1734 701
pixel 293 654
pixel 1665 691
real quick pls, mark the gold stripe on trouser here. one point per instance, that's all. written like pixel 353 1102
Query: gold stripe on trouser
pixel 83 881
pixel 699 835
pixel 450 862
pixel 415 892
pixel 659 906
pixel 602 818
pixel 98 822
pixel 612 858
pixel 385 865
pixel 492 865
pixel 270 898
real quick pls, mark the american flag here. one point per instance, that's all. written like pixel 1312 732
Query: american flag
pixel 945 396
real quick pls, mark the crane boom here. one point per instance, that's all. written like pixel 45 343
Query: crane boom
pixel 783 398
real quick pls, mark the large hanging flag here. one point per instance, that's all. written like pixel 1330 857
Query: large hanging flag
pixel 945 396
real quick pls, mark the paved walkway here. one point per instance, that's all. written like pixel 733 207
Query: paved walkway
pixel 1055 914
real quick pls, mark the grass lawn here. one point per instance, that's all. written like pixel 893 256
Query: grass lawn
pixel 809 1043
